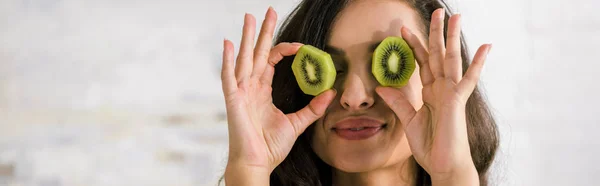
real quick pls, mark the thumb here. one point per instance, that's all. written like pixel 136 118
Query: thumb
pixel 314 110
pixel 397 102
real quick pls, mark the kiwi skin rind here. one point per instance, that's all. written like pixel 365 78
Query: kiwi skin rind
pixel 381 64
pixel 323 69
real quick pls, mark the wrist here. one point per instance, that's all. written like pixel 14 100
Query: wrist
pixel 467 176
pixel 236 174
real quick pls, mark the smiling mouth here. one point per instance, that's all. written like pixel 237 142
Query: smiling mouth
pixel 360 128
pixel 358 133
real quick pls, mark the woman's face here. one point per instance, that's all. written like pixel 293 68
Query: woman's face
pixel 360 132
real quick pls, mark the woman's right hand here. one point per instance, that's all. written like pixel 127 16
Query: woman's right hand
pixel 260 135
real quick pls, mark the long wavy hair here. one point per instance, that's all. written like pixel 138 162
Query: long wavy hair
pixel 310 23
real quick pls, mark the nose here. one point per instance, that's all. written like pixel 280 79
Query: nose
pixel 357 95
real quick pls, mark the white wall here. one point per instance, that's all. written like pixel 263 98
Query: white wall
pixel 127 92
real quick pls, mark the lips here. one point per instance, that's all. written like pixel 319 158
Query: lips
pixel 358 128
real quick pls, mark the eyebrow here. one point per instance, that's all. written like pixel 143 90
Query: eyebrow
pixel 337 51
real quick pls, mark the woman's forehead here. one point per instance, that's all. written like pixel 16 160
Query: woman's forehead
pixel 372 21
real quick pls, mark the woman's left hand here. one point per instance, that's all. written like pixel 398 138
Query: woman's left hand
pixel 437 132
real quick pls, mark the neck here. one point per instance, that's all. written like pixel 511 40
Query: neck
pixel 400 174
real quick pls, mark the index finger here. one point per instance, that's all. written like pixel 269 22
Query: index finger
pixel 276 55
pixel 421 54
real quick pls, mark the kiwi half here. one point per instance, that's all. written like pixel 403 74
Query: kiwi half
pixel 393 62
pixel 314 70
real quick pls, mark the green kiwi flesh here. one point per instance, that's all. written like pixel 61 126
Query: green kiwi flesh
pixel 393 62
pixel 314 70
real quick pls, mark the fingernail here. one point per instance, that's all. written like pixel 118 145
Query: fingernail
pixel 440 13
pixel 458 16
pixel 490 47
pixel 296 43
pixel 378 89
pixel 407 30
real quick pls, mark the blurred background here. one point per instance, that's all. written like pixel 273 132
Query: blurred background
pixel 127 92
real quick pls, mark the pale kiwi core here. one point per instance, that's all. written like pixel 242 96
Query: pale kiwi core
pixel 394 62
pixel 310 71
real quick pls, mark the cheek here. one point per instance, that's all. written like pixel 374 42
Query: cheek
pixel 318 140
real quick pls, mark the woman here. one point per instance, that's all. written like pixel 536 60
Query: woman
pixel 437 130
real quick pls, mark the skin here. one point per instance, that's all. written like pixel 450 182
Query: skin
pixel 426 119
pixel 381 159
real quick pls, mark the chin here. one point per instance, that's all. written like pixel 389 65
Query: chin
pixel 364 159
pixel 363 162
pixel 352 156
